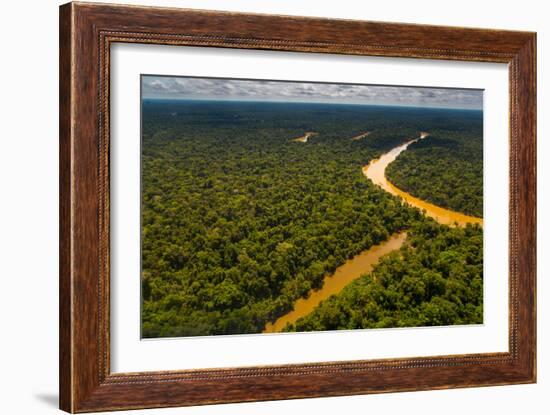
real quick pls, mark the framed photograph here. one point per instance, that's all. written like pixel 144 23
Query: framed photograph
pixel 260 207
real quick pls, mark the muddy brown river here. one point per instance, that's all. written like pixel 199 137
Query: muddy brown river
pixel 364 262
pixel 376 172
pixel 352 269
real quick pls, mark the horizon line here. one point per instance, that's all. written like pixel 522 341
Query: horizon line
pixel 306 102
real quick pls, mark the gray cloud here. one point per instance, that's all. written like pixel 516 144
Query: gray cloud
pixel 252 90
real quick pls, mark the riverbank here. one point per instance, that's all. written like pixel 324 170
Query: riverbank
pixel 376 172
pixel 352 269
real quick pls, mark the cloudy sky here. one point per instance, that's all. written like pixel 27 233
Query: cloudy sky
pixel 155 87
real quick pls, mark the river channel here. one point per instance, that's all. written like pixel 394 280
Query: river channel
pixel 364 262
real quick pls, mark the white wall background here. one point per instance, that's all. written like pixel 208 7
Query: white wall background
pixel 28 208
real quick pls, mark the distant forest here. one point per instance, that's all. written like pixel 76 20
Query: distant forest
pixel 239 220
pixel 446 168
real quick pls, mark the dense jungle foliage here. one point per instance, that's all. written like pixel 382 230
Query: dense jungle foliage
pixel 435 279
pixel 239 221
pixel 446 168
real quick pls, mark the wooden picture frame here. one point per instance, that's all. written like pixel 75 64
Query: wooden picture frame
pixel 86 33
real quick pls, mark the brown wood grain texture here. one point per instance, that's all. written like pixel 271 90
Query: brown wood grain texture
pixel 86 33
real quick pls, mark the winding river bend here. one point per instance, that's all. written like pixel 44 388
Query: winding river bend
pixel 376 172
pixel 365 261
pixel 305 137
